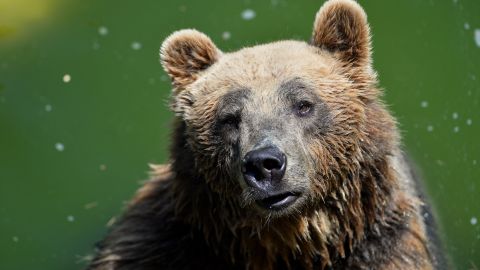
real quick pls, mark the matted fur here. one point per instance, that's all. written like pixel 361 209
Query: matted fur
pixel 362 209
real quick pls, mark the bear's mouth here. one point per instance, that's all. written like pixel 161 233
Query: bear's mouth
pixel 278 201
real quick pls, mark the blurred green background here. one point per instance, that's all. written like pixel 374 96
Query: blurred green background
pixel 83 107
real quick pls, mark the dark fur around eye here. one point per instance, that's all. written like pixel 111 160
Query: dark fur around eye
pixel 304 108
pixel 226 129
pixel 231 120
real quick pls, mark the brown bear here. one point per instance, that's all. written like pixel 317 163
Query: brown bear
pixel 283 157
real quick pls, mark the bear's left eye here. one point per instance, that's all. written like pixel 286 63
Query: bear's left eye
pixel 304 108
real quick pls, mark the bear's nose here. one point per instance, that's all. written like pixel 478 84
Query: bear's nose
pixel 264 165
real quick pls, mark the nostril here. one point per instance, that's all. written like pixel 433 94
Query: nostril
pixel 271 164
pixel 252 171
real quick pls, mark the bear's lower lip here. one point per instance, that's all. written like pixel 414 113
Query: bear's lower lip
pixel 278 202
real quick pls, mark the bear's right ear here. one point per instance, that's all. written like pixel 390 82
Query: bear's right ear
pixel 185 54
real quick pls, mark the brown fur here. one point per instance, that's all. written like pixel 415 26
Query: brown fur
pixel 187 53
pixel 361 211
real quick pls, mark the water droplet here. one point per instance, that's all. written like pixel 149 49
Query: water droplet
pixel 429 128
pixel 466 26
pixel 103 167
pixel 70 218
pixel 248 14
pixel 111 221
pixel 103 30
pixel 474 162
pixel 469 122
pixel 182 8
pixel 48 108
pixel 477 37
pixel 15 239
pixel 456 129
pixel 226 35
pixel 90 205
pixel 454 115
pixel 164 78
pixel 96 45
pixel 67 78
pixel 424 104
pixel 136 45
pixel 60 147
pixel 473 221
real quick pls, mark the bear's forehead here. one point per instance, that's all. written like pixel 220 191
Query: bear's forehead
pixel 273 63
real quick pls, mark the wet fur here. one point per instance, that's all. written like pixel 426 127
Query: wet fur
pixel 363 209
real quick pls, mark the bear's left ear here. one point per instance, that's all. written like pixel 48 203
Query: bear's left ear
pixel 341 27
pixel 185 54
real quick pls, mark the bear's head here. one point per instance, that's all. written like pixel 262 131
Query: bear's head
pixel 288 127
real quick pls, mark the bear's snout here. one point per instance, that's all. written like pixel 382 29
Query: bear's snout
pixel 263 170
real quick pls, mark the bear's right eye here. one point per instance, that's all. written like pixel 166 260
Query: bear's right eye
pixel 231 120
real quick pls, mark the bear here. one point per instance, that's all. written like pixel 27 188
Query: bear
pixel 283 156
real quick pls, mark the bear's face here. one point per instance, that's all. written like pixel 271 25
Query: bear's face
pixel 276 125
